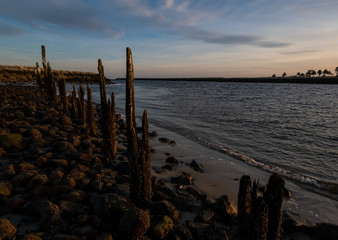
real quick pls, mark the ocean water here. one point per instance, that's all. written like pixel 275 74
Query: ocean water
pixel 291 129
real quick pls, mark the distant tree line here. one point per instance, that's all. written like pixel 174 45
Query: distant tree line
pixel 311 73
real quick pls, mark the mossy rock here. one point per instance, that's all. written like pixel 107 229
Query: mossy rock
pixel 10 140
pixel 163 227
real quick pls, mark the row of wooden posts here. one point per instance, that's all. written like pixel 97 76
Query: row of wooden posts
pixel 259 217
pixel 138 154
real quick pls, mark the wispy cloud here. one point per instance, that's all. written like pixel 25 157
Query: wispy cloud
pixel 10 31
pixel 66 14
pixel 299 52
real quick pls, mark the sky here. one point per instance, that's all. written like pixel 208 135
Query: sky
pixel 173 38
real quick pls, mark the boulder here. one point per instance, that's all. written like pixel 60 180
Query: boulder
pixel 110 205
pixel 76 196
pixel 5 188
pixel 38 179
pixel 165 208
pixel 171 160
pixel 196 166
pixel 225 210
pixel 184 179
pixel 7 230
pixel 11 140
pixel 133 224
pixel 163 227
pixel 65 120
pixel 50 214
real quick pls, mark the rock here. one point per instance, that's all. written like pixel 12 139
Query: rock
pixel 76 196
pixel 205 215
pixel 2 151
pixel 171 160
pixel 153 134
pixel 26 166
pixel 291 220
pixel 133 224
pixel 21 179
pixel 197 167
pixel 8 172
pixel 50 214
pixel 184 179
pixel 40 161
pixel 64 148
pixel 34 133
pixel 172 143
pixel 163 227
pixel 57 190
pixel 164 140
pixel 167 167
pixel 7 230
pixel 57 163
pixel 5 188
pixel 225 209
pixel 163 208
pixel 38 179
pixel 56 176
pixel 31 237
pixel 110 205
pixel 180 232
pixel 10 140
pixel 65 120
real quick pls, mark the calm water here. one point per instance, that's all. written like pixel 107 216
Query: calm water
pixel 287 128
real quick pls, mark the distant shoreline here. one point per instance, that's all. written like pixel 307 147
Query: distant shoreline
pixel 300 80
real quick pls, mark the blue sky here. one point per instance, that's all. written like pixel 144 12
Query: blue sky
pixel 173 38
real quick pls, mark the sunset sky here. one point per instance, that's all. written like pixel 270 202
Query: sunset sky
pixel 173 38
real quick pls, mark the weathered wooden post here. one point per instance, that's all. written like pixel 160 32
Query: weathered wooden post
pixel 244 208
pixel 74 103
pixel 62 92
pixel 273 198
pixel 90 112
pixel 259 223
pixel 113 127
pixel 105 112
pixel 43 53
pixel 145 162
pixel 140 187
pixel 81 105
pixel 38 75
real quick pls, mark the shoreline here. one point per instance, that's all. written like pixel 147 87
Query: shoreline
pixel 86 190
pixel 223 178
pixel 296 80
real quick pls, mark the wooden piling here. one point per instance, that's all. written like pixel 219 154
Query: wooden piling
pixel 139 158
pixel 132 145
pixel 38 75
pixel 274 197
pixel 113 127
pixel 90 112
pixel 244 208
pixel 43 53
pixel 259 223
pixel 75 109
pixel 62 93
pixel 81 105
pixel 145 163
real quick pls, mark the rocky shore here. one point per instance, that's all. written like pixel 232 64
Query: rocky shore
pixel 56 184
pixel 27 74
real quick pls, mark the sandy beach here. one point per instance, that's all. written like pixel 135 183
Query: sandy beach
pixel 55 183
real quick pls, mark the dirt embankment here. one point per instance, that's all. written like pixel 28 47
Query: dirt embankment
pixel 27 74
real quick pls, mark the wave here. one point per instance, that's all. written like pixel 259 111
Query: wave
pixel 329 189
